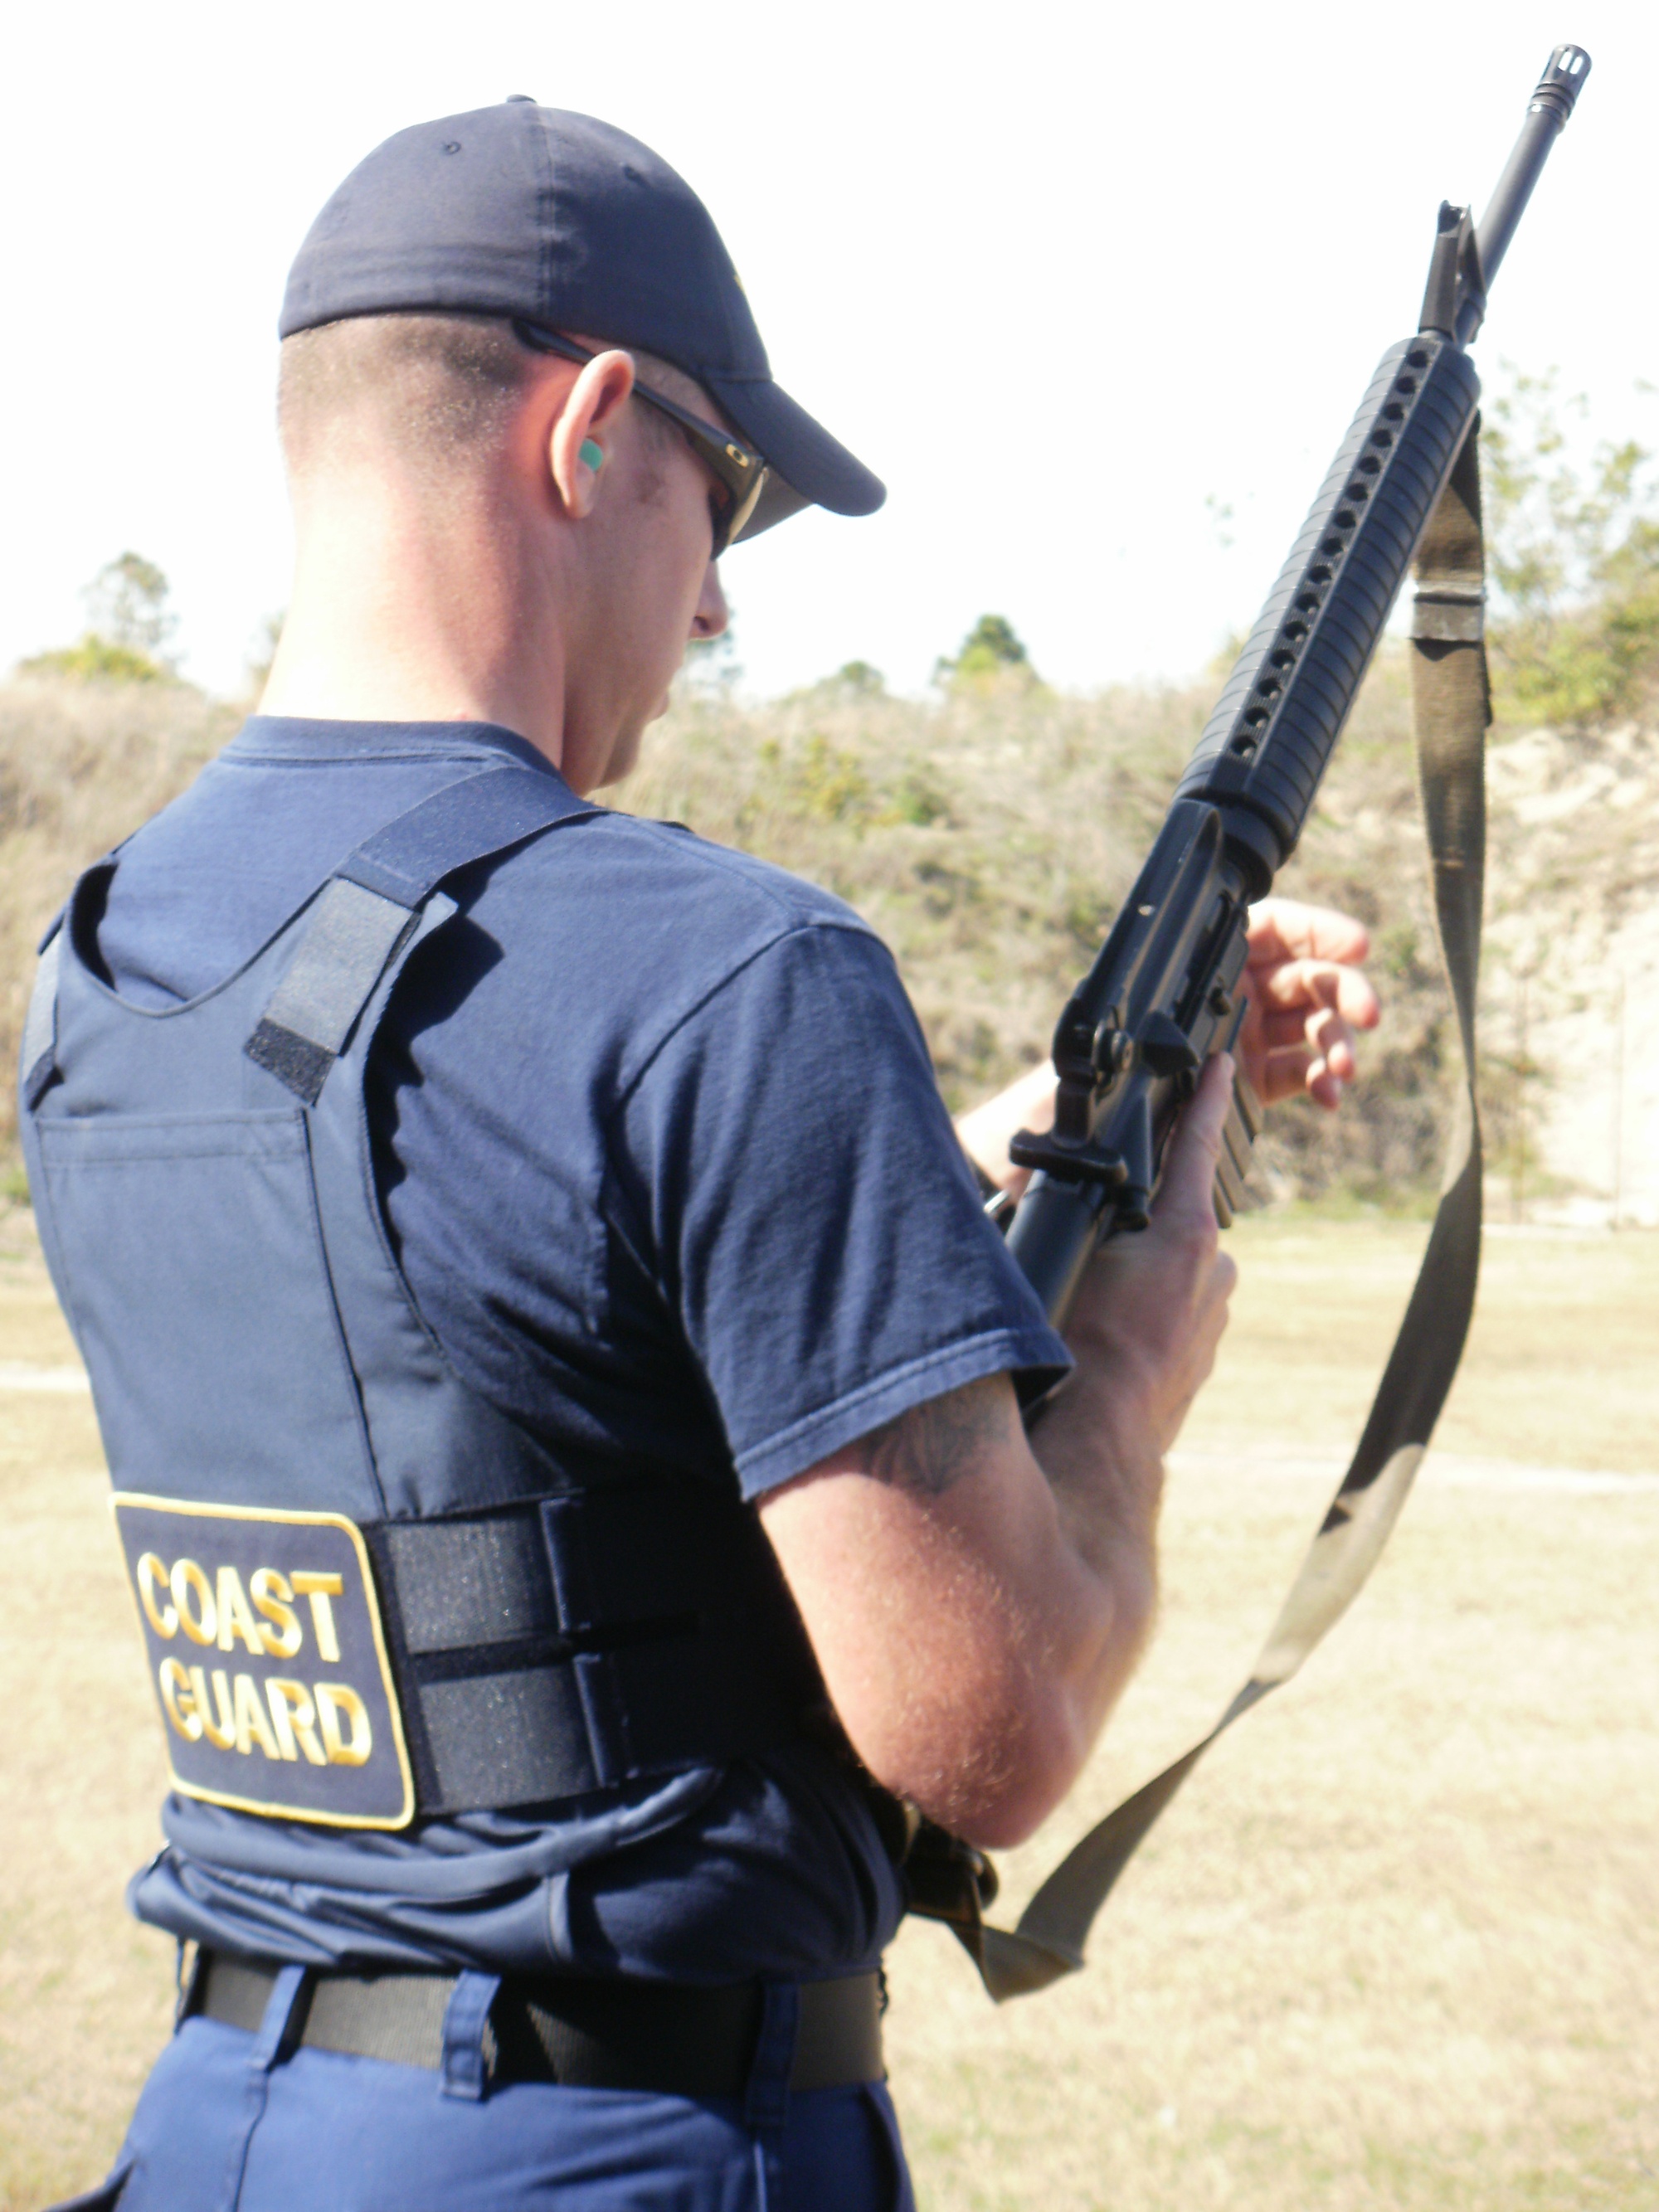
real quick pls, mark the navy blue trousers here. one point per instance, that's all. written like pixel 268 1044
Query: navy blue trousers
pixel 233 2122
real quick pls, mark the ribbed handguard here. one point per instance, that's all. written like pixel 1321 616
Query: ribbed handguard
pixel 1267 742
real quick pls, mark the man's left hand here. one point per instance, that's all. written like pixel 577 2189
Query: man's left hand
pixel 1309 995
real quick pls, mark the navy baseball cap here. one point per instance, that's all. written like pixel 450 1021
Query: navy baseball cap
pixel 561 220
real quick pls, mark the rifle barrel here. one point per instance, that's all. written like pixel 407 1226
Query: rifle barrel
pixel 1551 105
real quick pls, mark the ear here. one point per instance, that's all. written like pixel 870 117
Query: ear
pixel 586 420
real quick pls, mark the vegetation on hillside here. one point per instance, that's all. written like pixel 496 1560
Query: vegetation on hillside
pixel 129 628
pixel 991 654
pixel 82 764
pixel 989 835
pixel 1573 546
pixel 989 831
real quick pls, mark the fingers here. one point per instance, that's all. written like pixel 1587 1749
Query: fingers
pixel 1304 1008
pixel 1153 1306
pixel 1299 1068
pixel 1295 1026
pixel 1189 1169
pixel 1287 929
pixel 1290 984
pixel 1290 1045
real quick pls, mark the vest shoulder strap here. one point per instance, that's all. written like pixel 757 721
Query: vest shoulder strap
pixel 367 908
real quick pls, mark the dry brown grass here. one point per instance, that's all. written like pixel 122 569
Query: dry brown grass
pixel 1394 1948
pixel 81 766
pixel 987 835
pixel 987 838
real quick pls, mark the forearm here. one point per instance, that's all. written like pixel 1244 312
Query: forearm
pixel 985 1130
pixel 977 1597
pixel 1098 1451
pixel 974 1620
pixel 1078 1622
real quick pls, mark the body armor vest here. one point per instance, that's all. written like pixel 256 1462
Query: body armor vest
pixel 366 1593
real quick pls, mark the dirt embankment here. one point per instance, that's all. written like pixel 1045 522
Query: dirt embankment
pixel 1573 1008
pixel 988 837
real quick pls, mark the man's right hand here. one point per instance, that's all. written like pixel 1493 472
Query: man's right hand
pixel 1153 1306
pixel 978 1598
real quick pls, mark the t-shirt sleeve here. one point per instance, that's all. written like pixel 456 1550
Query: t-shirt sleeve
pixel 813 1220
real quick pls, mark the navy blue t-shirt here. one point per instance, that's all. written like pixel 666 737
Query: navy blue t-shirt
pixel 667 1168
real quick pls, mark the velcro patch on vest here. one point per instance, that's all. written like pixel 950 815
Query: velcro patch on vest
pixel 266 1656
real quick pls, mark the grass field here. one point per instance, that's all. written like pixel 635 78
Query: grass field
pixel 1396 1945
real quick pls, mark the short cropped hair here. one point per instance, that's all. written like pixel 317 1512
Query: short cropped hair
pixel 431 386
pixel 439 391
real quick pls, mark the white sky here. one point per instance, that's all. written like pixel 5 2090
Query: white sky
pixel 1060 272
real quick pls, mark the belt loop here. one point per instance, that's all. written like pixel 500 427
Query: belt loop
pixel 466 2017
pixel 766 2101
pixel 279 2029
pixel 189 1973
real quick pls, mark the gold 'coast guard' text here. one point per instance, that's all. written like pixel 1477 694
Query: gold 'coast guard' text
pixel 273 1616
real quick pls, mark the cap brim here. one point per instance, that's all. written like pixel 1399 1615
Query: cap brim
pixel 809 467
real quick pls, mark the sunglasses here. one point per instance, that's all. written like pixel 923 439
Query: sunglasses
pixel 741 471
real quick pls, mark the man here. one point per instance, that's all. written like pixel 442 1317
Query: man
pixel 528 1278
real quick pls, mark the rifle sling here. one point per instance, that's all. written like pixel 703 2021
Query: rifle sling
pixel 1452 711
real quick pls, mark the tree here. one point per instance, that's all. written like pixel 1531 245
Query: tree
pixel 860 680
pixel 1573 548
pixel 990 651
pixel 130 627
pixel 127 602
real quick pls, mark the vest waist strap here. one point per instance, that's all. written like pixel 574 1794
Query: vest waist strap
pixel 575 1641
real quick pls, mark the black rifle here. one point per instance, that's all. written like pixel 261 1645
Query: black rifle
pixel 1163 997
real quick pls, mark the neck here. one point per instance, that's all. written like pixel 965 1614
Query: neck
pixel 405 611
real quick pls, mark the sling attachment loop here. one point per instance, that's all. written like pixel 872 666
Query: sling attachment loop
pixel 1452 711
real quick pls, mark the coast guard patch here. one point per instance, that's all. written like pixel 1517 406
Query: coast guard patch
pixel 267 1659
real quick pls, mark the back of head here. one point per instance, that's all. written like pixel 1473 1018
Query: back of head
pixel 434 394
pixel 397 322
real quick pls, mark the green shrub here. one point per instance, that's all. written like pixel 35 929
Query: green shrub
pixel 1573 550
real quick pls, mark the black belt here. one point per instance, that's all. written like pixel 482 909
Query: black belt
pixel 658 2037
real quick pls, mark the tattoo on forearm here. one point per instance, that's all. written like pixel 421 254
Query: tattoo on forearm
pixel 935 1444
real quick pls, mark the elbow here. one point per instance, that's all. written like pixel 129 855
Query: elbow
pixel 992 1777
pixel 1046 1758
pixel 991 1767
